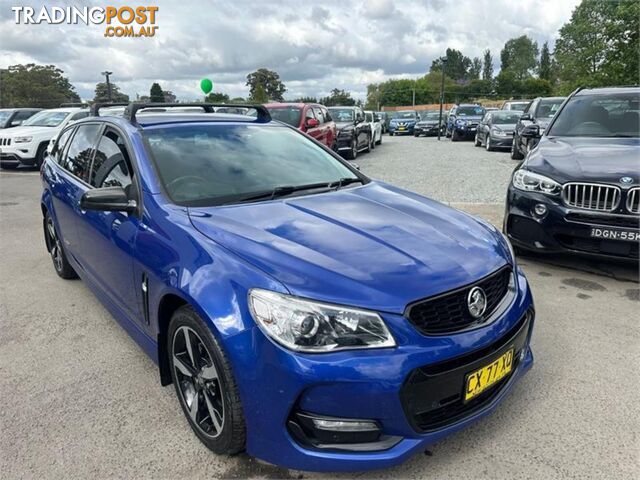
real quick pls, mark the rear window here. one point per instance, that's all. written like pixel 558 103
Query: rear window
pixel 289 115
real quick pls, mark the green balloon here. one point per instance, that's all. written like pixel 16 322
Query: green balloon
pixel 206 85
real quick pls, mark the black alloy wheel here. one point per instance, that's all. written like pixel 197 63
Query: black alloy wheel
pixel 204 383
pixel 198 383
pixel 60 263
pixel 515 153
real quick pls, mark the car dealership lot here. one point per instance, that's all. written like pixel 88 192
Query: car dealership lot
pixel 79 398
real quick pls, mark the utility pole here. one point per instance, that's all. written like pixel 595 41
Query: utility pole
pixel 413 102
pixel 106 74
pixel 444 64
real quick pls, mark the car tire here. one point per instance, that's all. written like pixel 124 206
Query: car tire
pixel 372 145
pixel 454 136
pixel 515 152
pixel 487 144
pixel 54 245
pixel 353 151
pixel 391 134
pixel 447 133
pixel 42 150
pixel 201 373
pixel 476 142
pixel 379 142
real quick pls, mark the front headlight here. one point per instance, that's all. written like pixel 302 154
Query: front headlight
pixel 22 139
pixel 461 122
pixel 533 182
pixel 307 326
pixel 498 132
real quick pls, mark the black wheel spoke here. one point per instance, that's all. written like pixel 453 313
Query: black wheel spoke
pixel 215 412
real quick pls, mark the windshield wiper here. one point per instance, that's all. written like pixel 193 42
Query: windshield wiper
pixel 343 182
pixel 280 192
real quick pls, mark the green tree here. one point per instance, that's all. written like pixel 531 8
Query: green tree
pixel 102 93
pixel 216 97
pixel 156 94
pixel 306 100
pixel 338 97
pixel 269 82
pixel 599 45
pixel 476 69
pixel 544 69
pixel 457 66
pixel 487 65
pixel 259 95
pixel 31 85
pixel 519 56
pixel 238 100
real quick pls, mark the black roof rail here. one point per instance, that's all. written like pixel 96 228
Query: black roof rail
pixel 95 108
pixel 72 104
pixel 132 108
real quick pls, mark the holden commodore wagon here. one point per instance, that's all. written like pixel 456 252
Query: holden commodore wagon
pixel 316 318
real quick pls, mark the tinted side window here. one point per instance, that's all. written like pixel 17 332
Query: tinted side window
pixel 23 115
pixel 78 157
pixel 309 114
pixel 318 114
pixel 78 116
pixel 327 115
pixel 531 107
pixel 111 165
pixel 62 142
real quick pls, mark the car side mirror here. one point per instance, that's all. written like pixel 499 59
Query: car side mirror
pixel 108 199
pixel 16 123
pixel 527 117
pixel 531 131
pixel 312 123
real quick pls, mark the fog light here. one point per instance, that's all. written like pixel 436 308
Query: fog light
pixel 540 209
pixel 345 425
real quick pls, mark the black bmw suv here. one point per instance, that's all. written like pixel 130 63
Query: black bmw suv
pixel 579 189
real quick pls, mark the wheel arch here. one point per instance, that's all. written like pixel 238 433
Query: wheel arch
pixel 167 306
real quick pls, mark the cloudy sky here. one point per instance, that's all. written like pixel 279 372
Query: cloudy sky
pixel 314 45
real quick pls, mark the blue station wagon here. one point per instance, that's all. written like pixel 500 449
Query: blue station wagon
pixel 305 313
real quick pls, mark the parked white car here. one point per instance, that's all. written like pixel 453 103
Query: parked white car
pixel 27 144
pixel 376 127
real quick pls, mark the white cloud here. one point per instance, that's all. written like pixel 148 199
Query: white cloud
pixel 314 48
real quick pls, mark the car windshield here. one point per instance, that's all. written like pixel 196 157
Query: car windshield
pixel 4 116
pixel 516 105
pixel 407 115
pixel 207 165
pixel 505 117
pixel 288 115
pixel 548 108
pixel 612 115
pixel 368 117
pixel 46 119
pixel 342 114
pixel 430 116
pixel 470 111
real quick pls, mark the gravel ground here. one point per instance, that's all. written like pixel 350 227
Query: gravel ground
pixel 79 399
pixel 445 171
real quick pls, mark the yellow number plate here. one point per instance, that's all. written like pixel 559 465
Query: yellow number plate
pixel 484 378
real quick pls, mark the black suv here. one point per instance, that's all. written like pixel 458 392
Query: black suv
pixel 539 112
pixel 579 190
pixel 13 117
pixel 354 133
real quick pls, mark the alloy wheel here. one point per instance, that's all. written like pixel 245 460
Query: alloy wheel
pixel 54 242
pixel 199 385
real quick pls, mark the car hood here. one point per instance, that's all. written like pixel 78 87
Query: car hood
pixel 509 127
pixel 427 122
pixel 344 125
pixel 372 246
pixel 586 159
pixel 471 118
pixel 403 120
pixel 24 130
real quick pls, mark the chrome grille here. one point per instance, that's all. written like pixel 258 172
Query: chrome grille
pixel 633 200
pixel 5 141
pixel 591 196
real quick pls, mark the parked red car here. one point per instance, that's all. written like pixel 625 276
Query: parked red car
pixel 311 118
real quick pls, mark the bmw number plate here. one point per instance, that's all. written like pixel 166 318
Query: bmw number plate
pixel 614 234
pixel 487 376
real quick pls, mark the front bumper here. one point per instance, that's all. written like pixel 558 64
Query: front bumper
pixel 363 384
pixel 399 130
pixel 427 130
pixel 564 229
pixel 22 154
pixel 501 142
pixel 344 142
pixel 467 131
